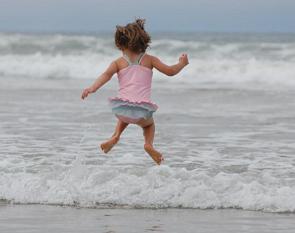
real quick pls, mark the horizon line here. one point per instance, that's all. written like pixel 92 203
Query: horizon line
pixel 79 32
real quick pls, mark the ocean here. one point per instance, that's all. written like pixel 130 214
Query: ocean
pixel 225 124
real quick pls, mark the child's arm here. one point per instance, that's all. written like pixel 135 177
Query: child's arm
pixel 101 80
pixel 170 70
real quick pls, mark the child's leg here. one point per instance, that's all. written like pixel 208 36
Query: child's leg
pixel 148 127
pixel 108 145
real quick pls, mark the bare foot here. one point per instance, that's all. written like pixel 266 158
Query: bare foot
pixel 156 155
pixel 108 145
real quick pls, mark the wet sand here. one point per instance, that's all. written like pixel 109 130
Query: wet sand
pixel 44 218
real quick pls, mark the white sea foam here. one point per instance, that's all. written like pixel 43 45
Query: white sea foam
pixel 154 187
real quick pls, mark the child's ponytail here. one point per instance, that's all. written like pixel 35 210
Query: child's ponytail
pixel 140 23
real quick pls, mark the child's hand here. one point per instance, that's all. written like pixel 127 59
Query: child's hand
pixel 86 92
pixel 183 59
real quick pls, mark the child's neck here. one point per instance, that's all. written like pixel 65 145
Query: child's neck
pixel 129 53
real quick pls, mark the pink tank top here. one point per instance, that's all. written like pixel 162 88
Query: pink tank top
pixel 135 82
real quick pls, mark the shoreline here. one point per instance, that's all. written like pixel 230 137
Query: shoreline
pixel 110 206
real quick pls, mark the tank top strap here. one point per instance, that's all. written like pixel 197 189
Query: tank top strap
pixel 136 62
pixel 140 58
pixel 127 59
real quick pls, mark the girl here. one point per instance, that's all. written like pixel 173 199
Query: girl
pixel 134 70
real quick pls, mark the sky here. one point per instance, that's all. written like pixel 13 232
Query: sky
pixel 160 15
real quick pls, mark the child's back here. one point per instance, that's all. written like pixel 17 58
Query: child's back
pixel 133 101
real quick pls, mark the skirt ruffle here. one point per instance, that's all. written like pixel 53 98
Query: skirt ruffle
pixel 132 112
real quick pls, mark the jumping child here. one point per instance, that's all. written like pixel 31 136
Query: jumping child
pixel 134 71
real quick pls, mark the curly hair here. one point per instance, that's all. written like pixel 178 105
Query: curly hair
pixel 132 37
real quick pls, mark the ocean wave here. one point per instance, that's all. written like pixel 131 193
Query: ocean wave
pixel 85 57
pixel 154 187
pixel 200 71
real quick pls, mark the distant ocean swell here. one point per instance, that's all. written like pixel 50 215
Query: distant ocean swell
pixel 215 61
pixel 155 187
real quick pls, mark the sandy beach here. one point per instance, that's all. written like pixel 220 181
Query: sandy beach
pixel 47 219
